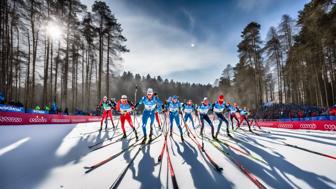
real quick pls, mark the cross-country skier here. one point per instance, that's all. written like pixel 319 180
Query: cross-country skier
pixel 174 108
pixel 107 106
pixel 151 103
pixel 233 113
pixel 188 108
pixel 124 107
pixel 244 117
pixel 203 110
pixel 158 110
pixel 218 108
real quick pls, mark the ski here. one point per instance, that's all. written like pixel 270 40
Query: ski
pixel 240 166
pixel 251 156
pixel 201 149
pixel 110 138
pixel 307 150
pixel 128 148
pixel 117 182
pixel 118 140
pixel 171 169
pixel 106 130
pixel 93 167
pixel 163 148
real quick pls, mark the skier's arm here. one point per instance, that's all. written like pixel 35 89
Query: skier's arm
pixel 117 108
pixel 139 103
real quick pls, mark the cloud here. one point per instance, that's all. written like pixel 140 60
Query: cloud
pixel 161 49
pixel 249 5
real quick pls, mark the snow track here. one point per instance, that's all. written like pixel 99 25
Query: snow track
pixel 54 156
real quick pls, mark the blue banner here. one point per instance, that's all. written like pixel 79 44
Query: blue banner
pixel 8 108
pixel 37 111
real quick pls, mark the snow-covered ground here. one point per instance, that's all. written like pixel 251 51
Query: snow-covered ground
pixel 54 156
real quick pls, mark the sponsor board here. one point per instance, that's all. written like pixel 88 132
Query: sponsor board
pixel 8 119
pixel 19 118
pixel 322 125
pixel 285 125
pixel 330 127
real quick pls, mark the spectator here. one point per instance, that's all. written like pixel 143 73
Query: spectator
pixel 332 111
pixel 53 108
pixel 46 108
pixel 2 98
pixel 66 111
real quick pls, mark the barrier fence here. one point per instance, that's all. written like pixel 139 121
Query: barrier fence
pixel 17 118
pixel 322 125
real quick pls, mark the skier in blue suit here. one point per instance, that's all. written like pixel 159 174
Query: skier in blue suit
pixel 218 108
pixel 173 106
pixel 203 110
pixel 151 103
pixel 188 108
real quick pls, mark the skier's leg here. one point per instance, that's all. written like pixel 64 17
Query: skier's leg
pixel 171 119
pixel 110 115
pixel 145 117
pixel 157 119
pixel 151 116
pixel 207 119
pixel 192 121
pixel 129 120
pixel 122 120
pixel 219 116
pixel 248 123
pixel 237 121
pixel 104 115
pixel 202 124
pixel 186 116
pixel 231 118
pixel 177 121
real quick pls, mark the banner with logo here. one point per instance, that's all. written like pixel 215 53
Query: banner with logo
pixel 323 125
pixel 8 108
pixel 16 118
pixel 37 111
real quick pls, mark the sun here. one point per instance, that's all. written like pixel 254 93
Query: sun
pixel 54 30
pixel 192 45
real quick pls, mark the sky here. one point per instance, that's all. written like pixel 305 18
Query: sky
pixel 191 40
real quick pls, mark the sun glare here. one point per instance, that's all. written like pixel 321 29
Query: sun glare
pixel 54 30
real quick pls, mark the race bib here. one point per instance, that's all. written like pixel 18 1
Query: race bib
pixel 203 111
pixel 107 108
pixel 188 111
pixel 127 110
pixel 150 107
pixel 217 110
pixel 173 109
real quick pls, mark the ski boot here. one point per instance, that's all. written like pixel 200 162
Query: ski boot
pixel 182 139
pixel 136 134
pixel 105 124
pixel 171 133
pixel 214 137
pixel 124 135
pixel 150 134
pixel 144 140
pixel 101 128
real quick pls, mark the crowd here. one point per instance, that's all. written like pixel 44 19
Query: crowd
pixel 290 111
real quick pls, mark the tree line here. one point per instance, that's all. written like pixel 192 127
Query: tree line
pixel 296 63
pixel 38 68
